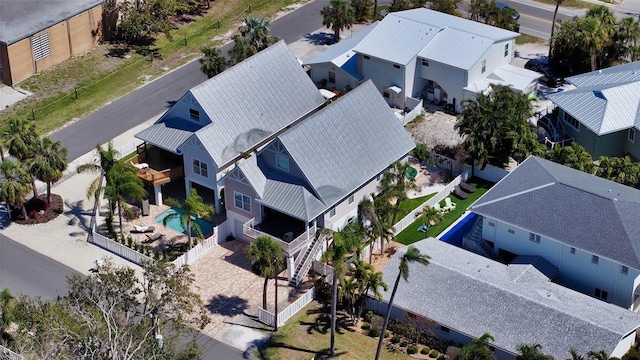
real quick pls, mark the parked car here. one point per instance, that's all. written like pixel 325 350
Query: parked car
pixel 515 15
pixel 549 77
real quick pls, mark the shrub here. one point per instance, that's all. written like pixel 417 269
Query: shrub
pixel 395 339
pixel 387 334
pixel 375 332
pixel 413 349
pixel 434 354
pixel 404 344
pixel 425 350
pixel 441 357
pixel 366 326
pixel 368 316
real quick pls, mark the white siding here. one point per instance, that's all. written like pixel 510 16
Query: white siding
pixel 189 153
pixel 494 58
pixel 384 74
pixel 345 211
pixel 452 80
pixel 343 80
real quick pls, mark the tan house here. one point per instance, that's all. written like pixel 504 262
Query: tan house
pixel 37 34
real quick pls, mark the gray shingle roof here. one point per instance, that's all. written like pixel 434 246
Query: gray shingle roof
pixel 253 100
pixel 474 295
pixel 581 210
pixel 23 18
pixel 347 143
pixel 402 35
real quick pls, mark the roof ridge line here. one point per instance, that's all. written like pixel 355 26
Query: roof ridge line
pixel 516 194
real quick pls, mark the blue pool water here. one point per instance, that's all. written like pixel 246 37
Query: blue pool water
pixel 174 223
pixel 455 234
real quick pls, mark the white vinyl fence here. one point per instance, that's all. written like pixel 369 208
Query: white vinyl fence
pixel 220 234
pixel 7 354
pixel 118 249
pixel 268 318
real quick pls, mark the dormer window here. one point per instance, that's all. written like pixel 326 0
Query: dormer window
pixel 194 114
pixel 282 162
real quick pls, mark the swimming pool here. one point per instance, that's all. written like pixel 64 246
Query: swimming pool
pixel 174 223
pixel 455 234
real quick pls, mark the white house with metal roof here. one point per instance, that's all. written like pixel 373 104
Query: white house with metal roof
pixel 227 117
pixel 585 226
pixel 460 296
pixel 602 112
pixel 315 174
pixel 424 54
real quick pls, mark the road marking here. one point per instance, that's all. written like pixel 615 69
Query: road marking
pixel 536 18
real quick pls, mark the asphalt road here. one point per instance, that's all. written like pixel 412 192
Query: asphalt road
pixel 25 271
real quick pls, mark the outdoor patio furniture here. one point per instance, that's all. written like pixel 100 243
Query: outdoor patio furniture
pixel 143 229
pixel 151 238
pixel 457 191
pixel 411 173
pixel 423 228
pixel 466 187
pixel 437 207
pixel 450 204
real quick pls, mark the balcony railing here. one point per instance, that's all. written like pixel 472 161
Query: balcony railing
pixel 159 177
pixel 248 229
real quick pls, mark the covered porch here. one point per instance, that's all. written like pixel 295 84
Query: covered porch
pixel 290 232
pixel 157 167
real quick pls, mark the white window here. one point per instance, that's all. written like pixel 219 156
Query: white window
pixel 332 77
pixel 396 66
pixel 573 250
pixel 282 162
pixel 242 201
pixel 506 49
pixel 492 224
pixel 385 94
pixel 200 168
pixel 534 237
pixel 601 294
pixel 511 231
pixel 194 114
pixel 425 62
pixel 632 135
pixel 571 121
pixel 332 212
pixel 595 259
pixel 40 46
pixel 624 270
pixel 484 66
pixel 351 199
pixel 444 329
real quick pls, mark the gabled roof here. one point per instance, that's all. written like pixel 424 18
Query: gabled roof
pixel 605 101
pixel 402 35
pixel 347 143
pixel 338 149
pixel 21 19
pixel 246 103
pixel 575 208
pixel 475 295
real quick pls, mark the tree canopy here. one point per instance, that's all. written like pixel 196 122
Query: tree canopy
pixel 337 16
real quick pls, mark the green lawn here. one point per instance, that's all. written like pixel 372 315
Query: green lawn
pixel 528 39
pixel 308 335
pixel 411 233
pixel 408 205
pixel 576 4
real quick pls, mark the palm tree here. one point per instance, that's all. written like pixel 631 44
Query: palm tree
pixel 23 140
pixel 394 186
pixel 532 352
pixel 431 216
pixel 370 222
pixel 107 159
pixel 16 184
pixel 599 355
pixel 6 310
pixel 412 255
pixel 212 63
pixel 593 36
pixel 338 15
pixel 123 181
pixel 553 25
pixel 628 35
pixel 364 279
pixel 49 163
pixel 575 355
pixel 256 31
pixel 478 349
pixel 192 208
pixel 268 257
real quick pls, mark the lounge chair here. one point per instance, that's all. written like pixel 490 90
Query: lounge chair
pixel 467 188
pixel 423 228
pixel 143 229
pixel 457 191
pixel 450 204
pixel 151 238
pixel 437 207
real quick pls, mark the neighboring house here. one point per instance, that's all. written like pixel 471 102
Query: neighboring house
pixel 314 175
pixel 35 35
pixel 585 226
pixel 226 118
pixel 602 113
pixel 460 296
pixel 424 54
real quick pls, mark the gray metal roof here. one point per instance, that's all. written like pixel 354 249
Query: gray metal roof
pixel 22 18
pixel 468 50
pixel 292 199
pixel 347 143
pixel 402 35
pixel 603 109
pixel 475 295
pixel 616 75
pixel 575 208
pixel 253 174
pixel 168 133
pixel 340 52
pixel 253 100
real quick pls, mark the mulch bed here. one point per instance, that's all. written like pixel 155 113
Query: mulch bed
pixel 38 211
